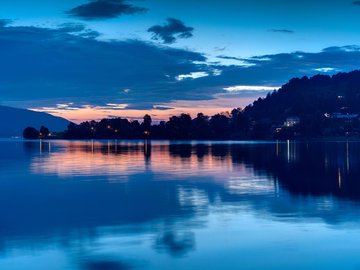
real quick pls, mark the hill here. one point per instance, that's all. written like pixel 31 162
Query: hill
pixel 14 121
pixel 305 96
pixel 325 105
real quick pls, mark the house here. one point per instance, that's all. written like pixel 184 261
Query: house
pixel 292 121
pixel 346 116
pixel 276 128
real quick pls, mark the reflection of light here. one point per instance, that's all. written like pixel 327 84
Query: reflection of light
pixel 326 161
pixel 288 151
pixel 347 157
pixel 339 179
pixel 291 151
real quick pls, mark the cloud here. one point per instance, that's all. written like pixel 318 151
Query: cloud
pixel 59 69
pixel 78 29
pixel 71 27
pixel 170 31
pixel 284 31
pixel 230 57
pixel 276 69
pixel 356 3
pixel 325 69
pixel 192 75
pixel 5 22
pixel 219 49
pixel 238 88
pixel 233 60
pixel 104 9
pixel 162 108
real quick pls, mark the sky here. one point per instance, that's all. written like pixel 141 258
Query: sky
pixel 90 59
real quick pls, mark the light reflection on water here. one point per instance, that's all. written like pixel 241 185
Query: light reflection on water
pixel 212 205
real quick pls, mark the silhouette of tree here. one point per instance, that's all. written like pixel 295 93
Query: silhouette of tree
pixel 147 121
pixel 220 125
pixel 201 127
pixel 30 133
pixel 44 132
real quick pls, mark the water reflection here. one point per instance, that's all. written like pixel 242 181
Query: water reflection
pixel 123 205
pixel 306 168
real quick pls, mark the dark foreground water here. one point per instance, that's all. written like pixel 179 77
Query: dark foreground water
pixel 200 205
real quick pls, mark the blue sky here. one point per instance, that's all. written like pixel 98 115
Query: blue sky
pixel 166 57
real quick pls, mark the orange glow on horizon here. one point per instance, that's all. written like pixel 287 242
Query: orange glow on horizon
pixel 192 107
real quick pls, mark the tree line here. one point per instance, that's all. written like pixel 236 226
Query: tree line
pixel 220 126
pixel 311 100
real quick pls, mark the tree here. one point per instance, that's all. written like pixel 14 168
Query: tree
pixel 219 124
pixel 201 128
pixel 147 121
pixel 30 133
pixel 44 132
pixel 146 126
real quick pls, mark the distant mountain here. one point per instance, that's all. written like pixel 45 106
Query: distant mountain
pixel 14 121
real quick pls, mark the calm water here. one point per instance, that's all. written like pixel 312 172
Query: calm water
pixel 205 205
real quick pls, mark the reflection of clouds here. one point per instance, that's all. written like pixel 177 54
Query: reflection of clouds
pixel 117 161
pixel 250 186
pixel 176 243
pixel 90 159
pixel 102 264
pixel 192 197
pixel 153 217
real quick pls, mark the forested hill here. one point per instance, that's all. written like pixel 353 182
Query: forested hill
pixel 310 97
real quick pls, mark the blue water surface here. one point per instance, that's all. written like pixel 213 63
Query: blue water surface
pixel 182 205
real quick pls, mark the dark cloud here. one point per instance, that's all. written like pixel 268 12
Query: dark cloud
pixel 61 67
pixel 284 31
pixel 71 27
pixel 225 57
pixel 162 108
pixel 336 49
pixel 277 69
pixel 356 3
pixel 176 244
pixel 170 31
pixel 219 49
pixel 90 34
pixel 46 67
pixel 140 106
pixel 5 22
pixel 78 29
pixel 104 9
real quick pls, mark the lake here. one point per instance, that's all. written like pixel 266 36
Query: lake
pixel 114 205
